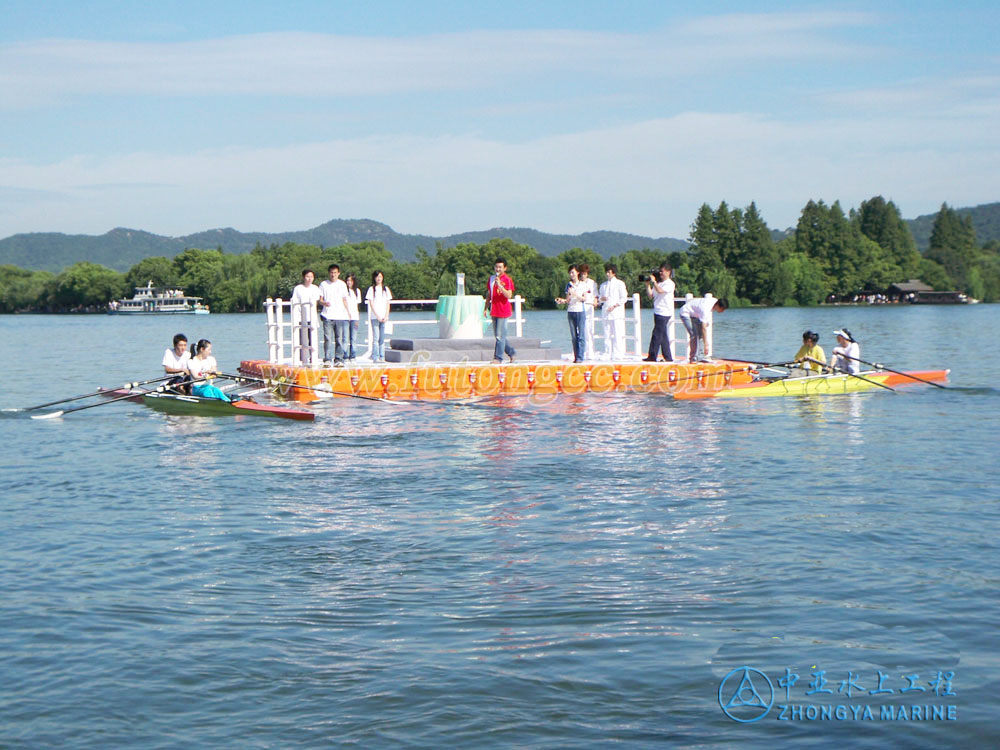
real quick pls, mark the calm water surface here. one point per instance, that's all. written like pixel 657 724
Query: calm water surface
pixel 580 572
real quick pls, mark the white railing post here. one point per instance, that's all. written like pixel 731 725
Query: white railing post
pixel 637 323
pixel 518 320
pixel 272 332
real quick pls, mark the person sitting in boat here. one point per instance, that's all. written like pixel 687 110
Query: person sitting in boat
pixel 846 353
pixel 811 355
pixel 202 367
pixel 175 362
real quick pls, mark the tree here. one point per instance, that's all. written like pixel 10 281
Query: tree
pixel 755 260
pixel 87 285
pixel 200 271
pixel 881 222
pixel 159 270
pixel 22 290
pixel 953 245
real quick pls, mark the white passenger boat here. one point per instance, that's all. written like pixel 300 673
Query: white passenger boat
pixel 150 300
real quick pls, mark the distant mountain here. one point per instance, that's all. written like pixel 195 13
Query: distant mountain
pixel 985 220
pixel 122 248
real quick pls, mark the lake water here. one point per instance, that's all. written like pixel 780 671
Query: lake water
pixel 584 572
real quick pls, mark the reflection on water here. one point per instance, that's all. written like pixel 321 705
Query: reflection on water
pixel 507 572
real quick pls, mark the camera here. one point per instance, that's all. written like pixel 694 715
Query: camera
pixel 650 276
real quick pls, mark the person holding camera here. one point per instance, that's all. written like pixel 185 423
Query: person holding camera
pixel 576 295
pixel 613 296
pixel 660 288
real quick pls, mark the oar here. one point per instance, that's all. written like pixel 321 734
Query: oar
pixel 878 366
pixel 645 386
pixel 128 386
pixel 853 375
pixel 308 388
pixel 358 395
pixel 758 362
pixel 54 414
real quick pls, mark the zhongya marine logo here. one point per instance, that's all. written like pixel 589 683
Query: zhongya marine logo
pixel 746 695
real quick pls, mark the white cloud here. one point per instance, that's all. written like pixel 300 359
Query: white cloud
pixel 317 65
pixel 654 174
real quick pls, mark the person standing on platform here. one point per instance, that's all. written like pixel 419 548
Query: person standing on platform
pixel 574 301
pixel 306 293
pixel 336 316
pixel 377 298
pixel 353 301
pixel 499 293
pixel 660 288
pixel 613 297
pixel 589 306
pixel 696 315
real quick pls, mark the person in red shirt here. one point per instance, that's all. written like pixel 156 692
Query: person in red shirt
pixel 498 307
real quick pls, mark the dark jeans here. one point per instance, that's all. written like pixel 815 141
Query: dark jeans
pixel 576 330
pixel 660 340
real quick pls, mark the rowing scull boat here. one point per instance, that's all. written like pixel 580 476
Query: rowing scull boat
pixel 174 403
pixel 818 385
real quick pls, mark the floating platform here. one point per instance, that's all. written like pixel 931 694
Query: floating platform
pixel 421 351
pixel 425 380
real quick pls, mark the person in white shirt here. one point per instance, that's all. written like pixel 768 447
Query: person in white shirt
pixel 306 294
pixel 175 362
pixel 203 367
pixel 696 315
pixel 377 299
pixel 336 316
pixel 574 300
pixel 353 301
pixel 660 288
pixel 589 305
pixel 846 353
pixel 613 296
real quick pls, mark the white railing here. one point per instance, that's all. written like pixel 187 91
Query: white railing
pixel 633 341
pixel 293 329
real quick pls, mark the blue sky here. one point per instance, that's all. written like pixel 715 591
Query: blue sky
pixel 442 117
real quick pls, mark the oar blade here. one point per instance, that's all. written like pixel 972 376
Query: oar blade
pixel 49 415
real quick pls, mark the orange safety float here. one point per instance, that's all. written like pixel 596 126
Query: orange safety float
pixel 604 378
pixel 547 377
pixel 516 380
pixel 575 379
pixel 487 380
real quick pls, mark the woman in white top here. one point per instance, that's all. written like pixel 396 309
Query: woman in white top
pixel 201 366
pixel 377 298
pixel 846 353
pixel 353 300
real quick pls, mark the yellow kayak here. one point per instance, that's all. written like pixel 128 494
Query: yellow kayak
pixel 818 385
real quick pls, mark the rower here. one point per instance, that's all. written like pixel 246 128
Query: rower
pixel 810 355
pixel 846 353
pixel 202 365
pixel 175 362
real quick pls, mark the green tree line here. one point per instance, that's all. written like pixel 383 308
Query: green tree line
pixel 831 254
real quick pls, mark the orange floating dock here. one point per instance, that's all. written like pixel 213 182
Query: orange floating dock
pixel 435 381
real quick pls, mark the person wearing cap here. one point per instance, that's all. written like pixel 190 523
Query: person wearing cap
pixel 811 354
pixel 846 353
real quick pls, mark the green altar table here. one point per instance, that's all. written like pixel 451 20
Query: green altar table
pixel 461 316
